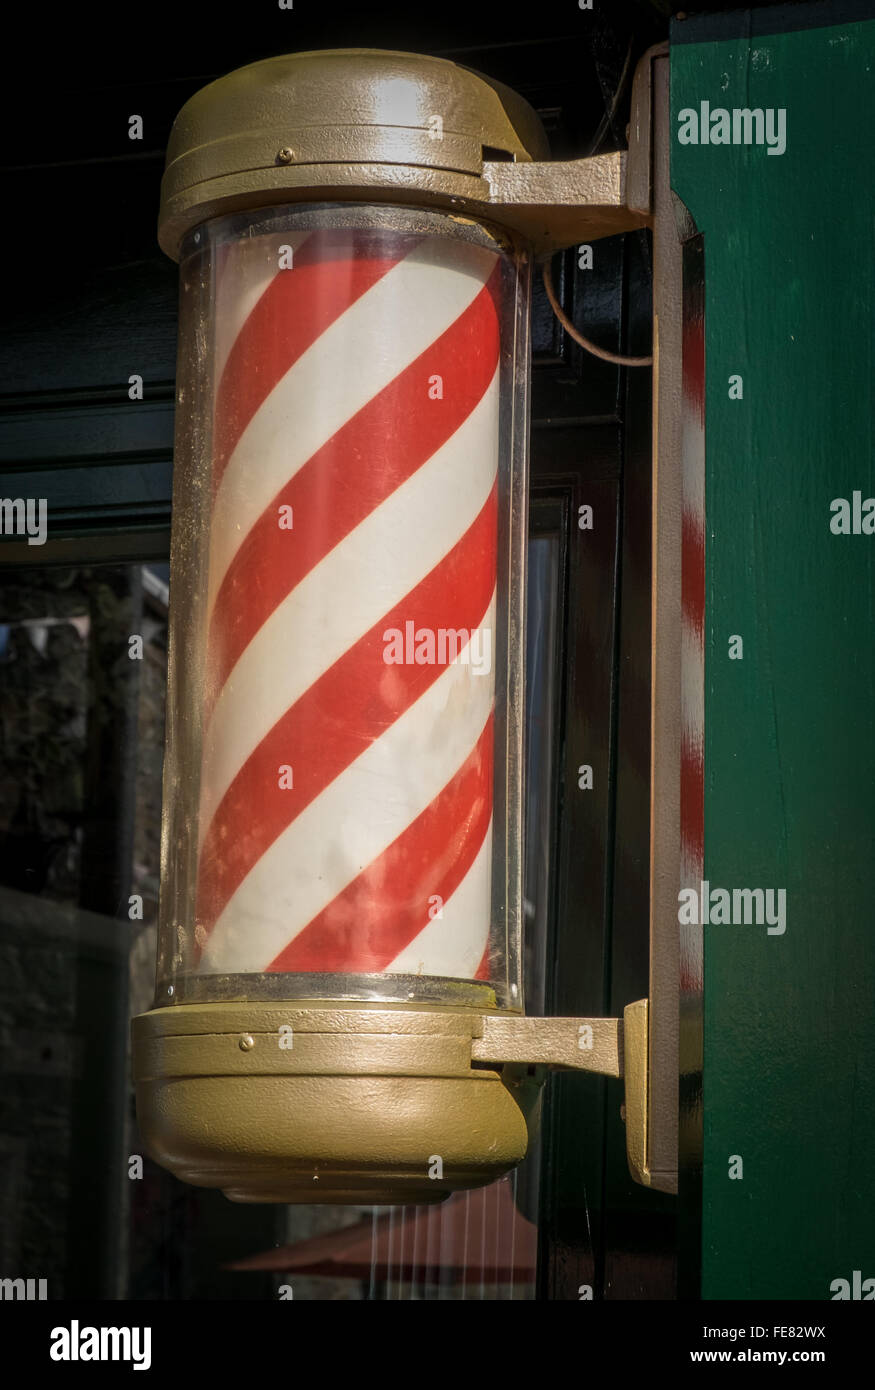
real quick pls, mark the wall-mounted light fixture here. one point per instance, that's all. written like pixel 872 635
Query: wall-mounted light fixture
pixel 340 1009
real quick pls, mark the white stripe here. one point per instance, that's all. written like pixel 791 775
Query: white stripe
pixel 356 357
pixel 353 821
pixel 453 944
pixel 363 578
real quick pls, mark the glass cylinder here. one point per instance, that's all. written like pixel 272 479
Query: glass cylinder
pixel 342 798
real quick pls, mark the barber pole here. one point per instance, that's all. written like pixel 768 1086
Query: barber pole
pixel 346 799
pixel 340 996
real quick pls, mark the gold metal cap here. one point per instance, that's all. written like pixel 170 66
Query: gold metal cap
pixel 341 123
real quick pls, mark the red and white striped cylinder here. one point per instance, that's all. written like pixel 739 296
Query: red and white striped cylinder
pixel 354 610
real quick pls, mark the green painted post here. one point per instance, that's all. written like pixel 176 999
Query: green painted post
pixel 789 1032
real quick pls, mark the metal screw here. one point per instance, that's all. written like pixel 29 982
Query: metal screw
pixel 285 155
pixel 247 1042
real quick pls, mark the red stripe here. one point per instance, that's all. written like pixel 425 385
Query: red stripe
pixel 367 925
pixel 339 716
pixel 295 309
pixel 376 451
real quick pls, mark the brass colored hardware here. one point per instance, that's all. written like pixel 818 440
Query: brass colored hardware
pixel 367 125
pixel 323 1101
pixel 555 204
pixel 639 1097
pixel 635 1021
pixel 576 1044
pixel 246 1097
pixel 329 1104
pixel 607 1046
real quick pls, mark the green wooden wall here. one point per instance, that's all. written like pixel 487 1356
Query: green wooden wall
pixel 789 1029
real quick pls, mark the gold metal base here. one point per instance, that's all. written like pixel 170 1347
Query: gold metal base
pixel 381 1103
pixel 366 1105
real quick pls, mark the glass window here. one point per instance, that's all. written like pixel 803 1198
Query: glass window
pixel 83 668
